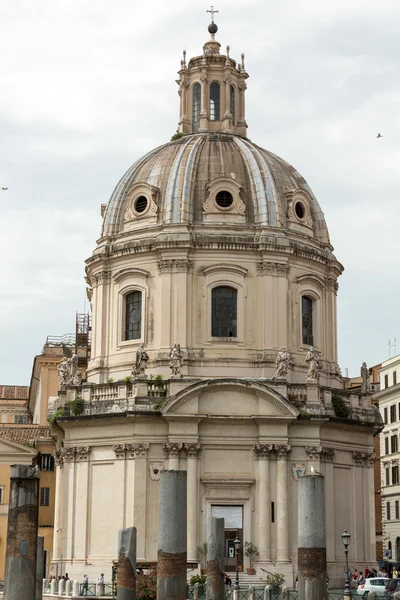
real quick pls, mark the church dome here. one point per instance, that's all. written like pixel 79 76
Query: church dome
pixel 218 178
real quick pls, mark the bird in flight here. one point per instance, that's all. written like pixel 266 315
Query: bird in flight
pixel 4 189
pixel 379 135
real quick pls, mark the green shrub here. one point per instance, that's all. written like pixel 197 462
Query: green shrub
pixel 340 407
pixel 146 584
pixel 275 580
pixel 128 379
pixel 60 412
pixel 176 136
pixel 202 579
pixel 78 407
pixel 110 380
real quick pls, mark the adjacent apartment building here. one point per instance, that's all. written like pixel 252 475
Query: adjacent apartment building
pixel 388 399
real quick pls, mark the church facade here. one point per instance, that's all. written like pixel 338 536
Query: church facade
pixel 214 349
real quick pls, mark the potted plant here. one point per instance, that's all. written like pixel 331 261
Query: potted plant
pixel 202 556
pixel 275 581
pixel 250 550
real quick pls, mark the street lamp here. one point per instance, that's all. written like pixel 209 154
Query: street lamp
pixel 346 541
pixel 236 543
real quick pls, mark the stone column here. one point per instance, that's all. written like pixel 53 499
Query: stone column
pixel 69 457
pixel 39 567
pixel 172 450
pixel 216 561
pixel 282 533
pixel 21 550
pixel 81 503
pixel 193 452
pixel 126 584
pixel 75 589
pixel 61 587
pixel 164 302
pixel 139 453
pixel 172 538
pixel 57 536
pixel 261 452
pixel 311 538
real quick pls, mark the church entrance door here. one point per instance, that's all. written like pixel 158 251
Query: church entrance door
pixel 233 516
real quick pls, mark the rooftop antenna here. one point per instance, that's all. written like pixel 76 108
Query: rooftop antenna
pixel 392 345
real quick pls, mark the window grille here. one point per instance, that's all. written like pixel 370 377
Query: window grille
pixel 232 103
pixel 224 312
pixel 196 106
pixel 133 316
pixel 46 462
pixel 215 101
pixel 44 496
pixel 307 321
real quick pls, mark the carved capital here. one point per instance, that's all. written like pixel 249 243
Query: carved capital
pixel 332 284
pixel 183 266
pixel 282 450
pixel 328 453
pixel 58 458
pixel 262 450
pixel 172 449
pixel 138 450
pixel 101 278
pixel 193 450
pixel 68 454
pixel 313 452
pixel 165 266
pixel 364 459
pixel 120 450
pixel 82 453
pixel 272 268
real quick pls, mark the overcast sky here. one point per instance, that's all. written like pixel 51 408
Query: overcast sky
pixel 88 86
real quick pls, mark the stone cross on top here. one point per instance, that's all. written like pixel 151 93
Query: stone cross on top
pixel 212 11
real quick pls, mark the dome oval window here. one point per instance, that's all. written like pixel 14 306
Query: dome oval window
pixel 224 199
pixel 141 204
pixel 300 210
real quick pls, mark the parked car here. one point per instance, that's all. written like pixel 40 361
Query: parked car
pixel 391 586
pixel 374 584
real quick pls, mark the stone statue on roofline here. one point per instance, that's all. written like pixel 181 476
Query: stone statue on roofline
pixel 314 364
pixel 282 363
pixel 63 371
pixel 364 378
pixel 176 361
pixel 139 368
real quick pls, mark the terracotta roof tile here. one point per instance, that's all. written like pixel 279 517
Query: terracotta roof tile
pixel 14 392
pixel 24 434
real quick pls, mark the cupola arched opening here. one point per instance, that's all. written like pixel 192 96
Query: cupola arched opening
pixel 224 311
pixel 232 103
pixel 196 105
pixel 215 101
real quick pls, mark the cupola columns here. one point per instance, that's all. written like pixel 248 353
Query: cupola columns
pixel 212 90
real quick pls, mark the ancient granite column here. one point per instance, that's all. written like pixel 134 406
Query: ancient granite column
pixel 261 452
pixel 282 531
pixel 311 538
pixel 172 538
pixel 193 452
pixel 216 561
pixel 39 568
pixel 172 450
pixel 126 584
pixel 21 551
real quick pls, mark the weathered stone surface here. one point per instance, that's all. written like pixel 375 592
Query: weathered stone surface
pixel 216 561
pixel 172 536
pixel 21 552
pixel 39 567
pixel 126 589
pixel 311 538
